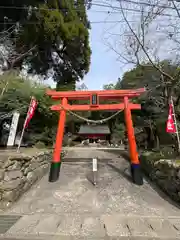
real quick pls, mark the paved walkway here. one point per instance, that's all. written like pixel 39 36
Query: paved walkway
pixel 74 207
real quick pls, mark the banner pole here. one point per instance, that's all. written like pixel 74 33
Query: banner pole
pixel 175 123
pixel 20 141
pixel 22 133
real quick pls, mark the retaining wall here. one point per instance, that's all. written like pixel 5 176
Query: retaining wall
pixel 18 172
pixel 165 172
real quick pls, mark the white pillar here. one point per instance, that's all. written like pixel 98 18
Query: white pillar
pixel 13 129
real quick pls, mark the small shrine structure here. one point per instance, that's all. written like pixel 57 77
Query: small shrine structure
pixel 94 132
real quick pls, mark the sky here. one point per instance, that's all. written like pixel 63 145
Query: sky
pixel 104 68
pixel 106 27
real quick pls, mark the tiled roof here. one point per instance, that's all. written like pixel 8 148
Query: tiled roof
pixel 94 129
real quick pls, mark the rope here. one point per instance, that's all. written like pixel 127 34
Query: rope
pixel 89 120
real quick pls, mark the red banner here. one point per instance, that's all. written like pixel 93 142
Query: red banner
pixel 30 113
pixel 170 126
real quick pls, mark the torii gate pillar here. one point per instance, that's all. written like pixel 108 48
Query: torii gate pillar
pixel 56 163
pixel 135 164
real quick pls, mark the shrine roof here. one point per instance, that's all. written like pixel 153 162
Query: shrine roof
pixel 94 129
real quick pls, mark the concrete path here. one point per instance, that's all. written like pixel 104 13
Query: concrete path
pixel 73 208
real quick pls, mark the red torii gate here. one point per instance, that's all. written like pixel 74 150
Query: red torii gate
pixel 95 97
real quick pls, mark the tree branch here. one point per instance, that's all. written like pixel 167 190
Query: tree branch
pixel 21 56
pixel 175 7
pixel 142 46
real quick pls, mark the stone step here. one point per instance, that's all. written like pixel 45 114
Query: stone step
pixel 97 227
pixel 85 238
pixel 92 148
pixel 88 160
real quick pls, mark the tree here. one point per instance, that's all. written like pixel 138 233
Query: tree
pixel 141 39
pixel 82 87
pixel 150 121
pixel 17 97
pixel 109 86
pixel 141 18
pixel 57 33
pixel 153 116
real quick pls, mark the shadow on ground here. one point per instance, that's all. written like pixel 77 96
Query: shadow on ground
pixel 155 187
pixel 121 172
pixel 125 155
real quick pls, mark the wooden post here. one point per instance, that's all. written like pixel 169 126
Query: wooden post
pixel 135 164
pixel 56 162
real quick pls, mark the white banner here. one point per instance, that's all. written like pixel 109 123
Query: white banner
pixel 13 129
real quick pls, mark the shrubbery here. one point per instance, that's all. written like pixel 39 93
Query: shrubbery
pixel 17 95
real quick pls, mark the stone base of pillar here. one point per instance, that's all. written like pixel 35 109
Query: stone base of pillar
pixel 54 171
pixel 136 173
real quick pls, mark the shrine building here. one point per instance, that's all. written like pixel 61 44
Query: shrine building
pixel 94 132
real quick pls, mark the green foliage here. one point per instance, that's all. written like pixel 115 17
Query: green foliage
pixel 17 96
pixel 58 29
pixel 110 86
pixel 159 89
pixel 152 156
pixel 118 132
pixel 40 145
pixel 151 119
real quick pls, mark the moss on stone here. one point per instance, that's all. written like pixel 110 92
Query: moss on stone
pixel 165 172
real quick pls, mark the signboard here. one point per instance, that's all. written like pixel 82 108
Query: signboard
pixel 94 100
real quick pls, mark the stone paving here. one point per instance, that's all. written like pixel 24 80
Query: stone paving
pixel 73 208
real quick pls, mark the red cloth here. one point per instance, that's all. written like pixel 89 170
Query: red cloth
pixel 31 111
pixel 170 126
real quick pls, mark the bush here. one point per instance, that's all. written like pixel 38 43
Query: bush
pixel 148 159
pixel 43 125
pixel 168 151
pixel 40 145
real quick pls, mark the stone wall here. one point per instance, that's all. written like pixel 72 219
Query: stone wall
pixel 18 172
pixel 165 172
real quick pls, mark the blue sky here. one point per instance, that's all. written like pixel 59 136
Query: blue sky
pixel 104 66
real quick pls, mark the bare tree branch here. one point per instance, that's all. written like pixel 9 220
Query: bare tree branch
pixel 8 55
pixel 121 56
pixel 175 7
pixel 142 46
pixel 22 56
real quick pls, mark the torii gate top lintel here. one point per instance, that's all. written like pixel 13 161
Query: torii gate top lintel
pixel 102 94
pixel 95 97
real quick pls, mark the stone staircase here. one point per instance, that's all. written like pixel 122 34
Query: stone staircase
pixel 98 227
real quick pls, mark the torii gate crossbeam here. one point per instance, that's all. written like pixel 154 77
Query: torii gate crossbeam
pixel 122 96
